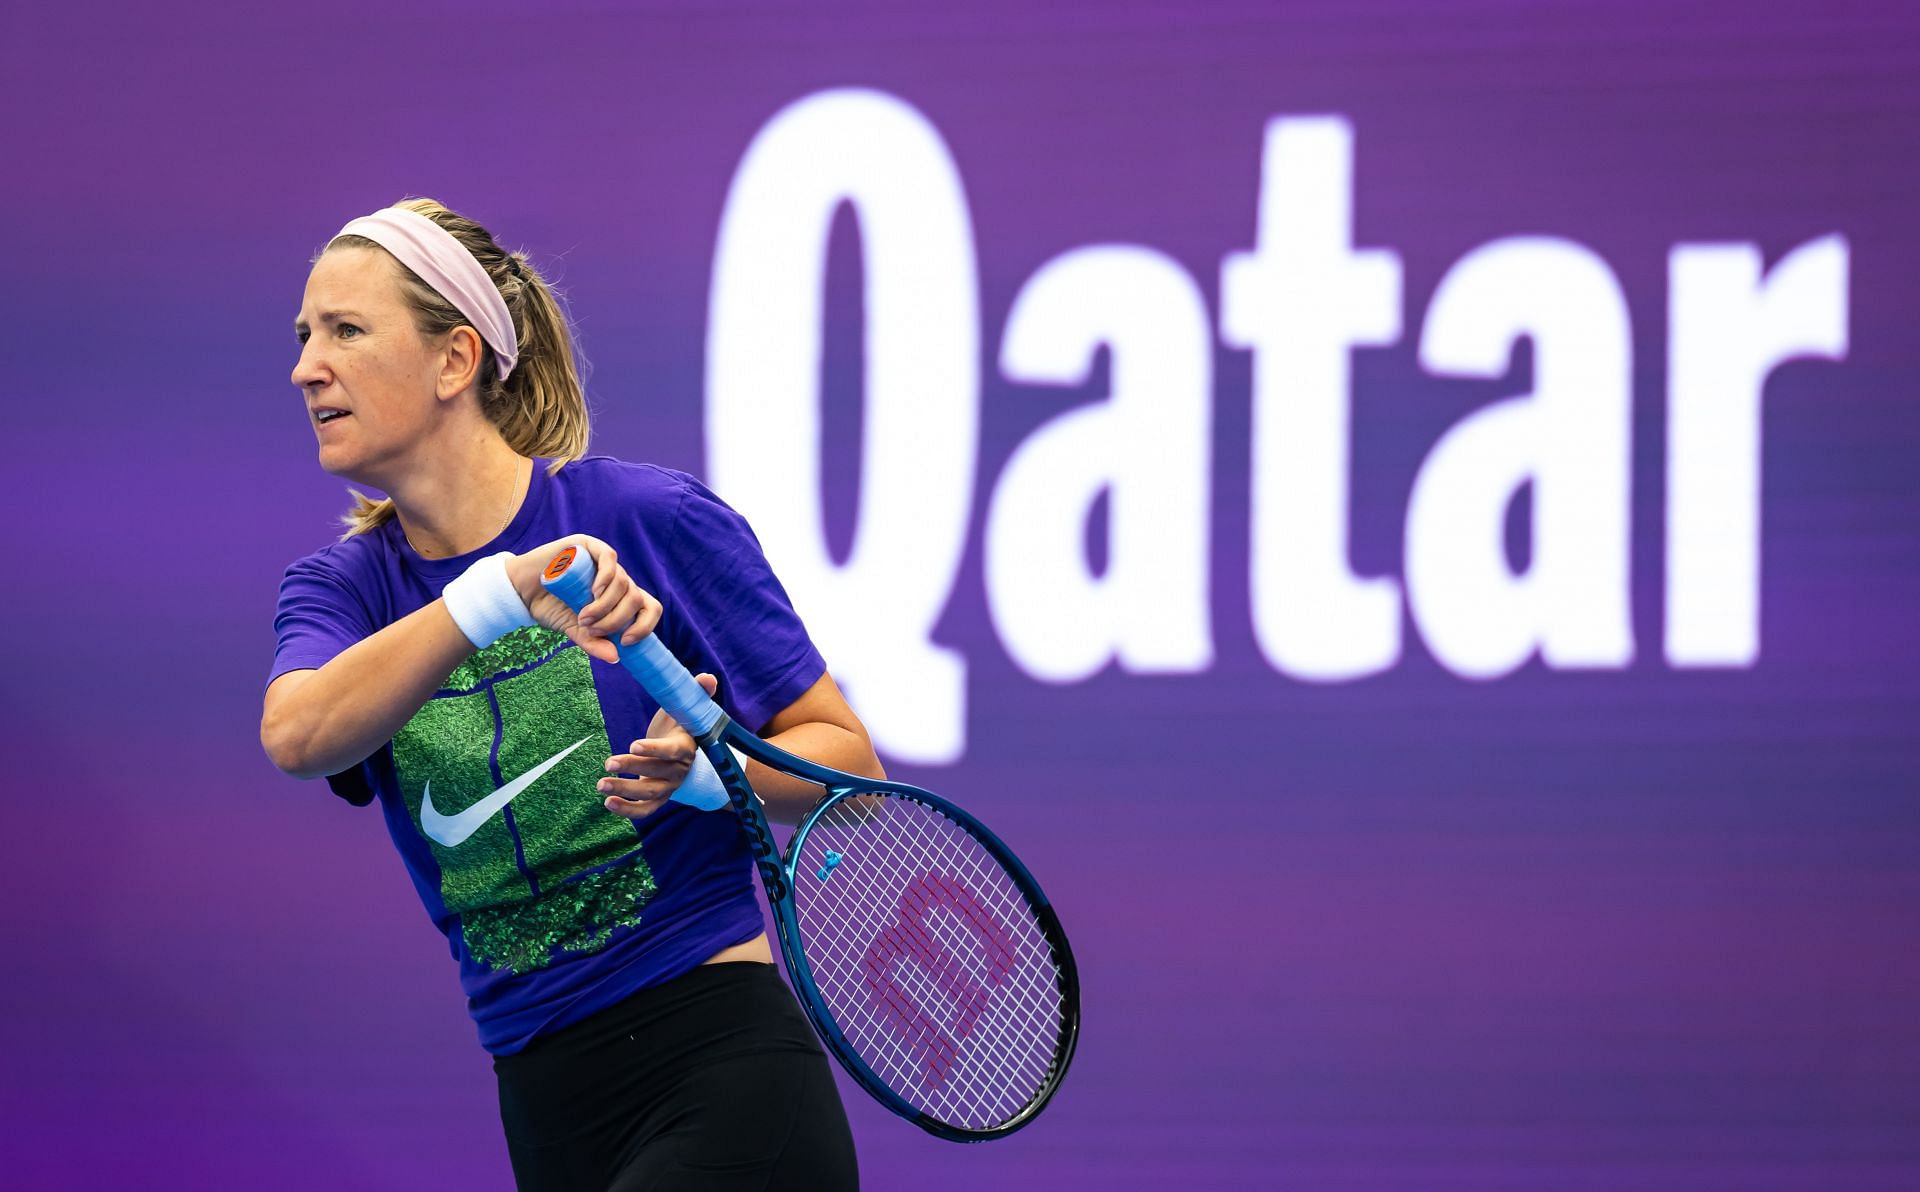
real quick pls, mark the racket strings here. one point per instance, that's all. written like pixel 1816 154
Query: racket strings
pixel 976 1080
pixel 940 1060
pixel 931 960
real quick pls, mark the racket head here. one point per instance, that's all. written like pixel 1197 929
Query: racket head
pixel 929 959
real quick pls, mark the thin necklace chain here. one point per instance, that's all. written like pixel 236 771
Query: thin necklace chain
pixel 511 490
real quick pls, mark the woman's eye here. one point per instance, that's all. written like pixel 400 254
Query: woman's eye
pixel 348 330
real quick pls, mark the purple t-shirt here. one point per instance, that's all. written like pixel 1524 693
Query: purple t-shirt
pixel 554 907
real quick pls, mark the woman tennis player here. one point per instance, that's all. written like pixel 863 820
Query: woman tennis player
pixel 609 939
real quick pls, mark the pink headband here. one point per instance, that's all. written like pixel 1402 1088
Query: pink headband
pixel 444 263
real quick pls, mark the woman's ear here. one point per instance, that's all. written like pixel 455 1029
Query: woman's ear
pixel 460 362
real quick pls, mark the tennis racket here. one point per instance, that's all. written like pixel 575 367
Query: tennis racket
pixel 927 957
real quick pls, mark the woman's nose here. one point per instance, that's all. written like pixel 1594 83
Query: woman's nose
pixel 307 370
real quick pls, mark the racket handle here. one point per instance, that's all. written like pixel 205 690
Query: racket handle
pixel 569 575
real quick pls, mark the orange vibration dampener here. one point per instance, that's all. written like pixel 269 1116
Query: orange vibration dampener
pixel 558 566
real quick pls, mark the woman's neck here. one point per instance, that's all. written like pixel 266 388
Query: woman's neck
pixel 464 499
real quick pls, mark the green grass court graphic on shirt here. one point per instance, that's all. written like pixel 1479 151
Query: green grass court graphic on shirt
pixel 521 901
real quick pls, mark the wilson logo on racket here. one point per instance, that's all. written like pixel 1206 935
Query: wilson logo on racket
pixel 911 937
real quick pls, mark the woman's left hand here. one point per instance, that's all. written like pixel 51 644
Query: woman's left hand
pixel 659 761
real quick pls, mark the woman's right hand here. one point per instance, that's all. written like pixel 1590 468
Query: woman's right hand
pixel 619 608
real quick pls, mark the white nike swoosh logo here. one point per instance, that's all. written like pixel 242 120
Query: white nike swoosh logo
pixel 451 830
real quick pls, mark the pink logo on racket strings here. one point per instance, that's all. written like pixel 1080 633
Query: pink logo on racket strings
pixel 908 936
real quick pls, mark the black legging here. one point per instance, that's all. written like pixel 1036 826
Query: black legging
pixel 711 1081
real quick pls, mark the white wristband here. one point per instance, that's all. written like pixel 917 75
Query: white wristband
pixel 484 603
pixel 702 788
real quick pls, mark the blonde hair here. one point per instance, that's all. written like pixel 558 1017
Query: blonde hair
pixel 541 408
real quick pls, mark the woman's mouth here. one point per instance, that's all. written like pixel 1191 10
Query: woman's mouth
pixel 326 414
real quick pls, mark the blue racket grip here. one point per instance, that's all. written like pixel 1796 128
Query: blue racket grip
pixel 569 575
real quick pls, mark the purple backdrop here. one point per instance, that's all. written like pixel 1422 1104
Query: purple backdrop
pixel 1597 926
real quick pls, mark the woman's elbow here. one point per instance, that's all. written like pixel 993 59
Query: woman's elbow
pixel 286 748
pixel 285 757
pixel 286 729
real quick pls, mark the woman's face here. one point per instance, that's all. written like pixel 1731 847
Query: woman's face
pixel 366 373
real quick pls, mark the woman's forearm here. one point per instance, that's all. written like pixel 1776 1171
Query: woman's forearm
pixel 788 798
pixel 319 722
